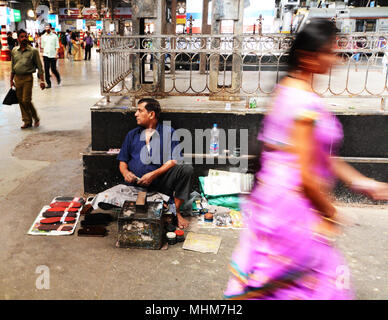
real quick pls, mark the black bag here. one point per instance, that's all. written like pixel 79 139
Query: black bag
pixel 11 98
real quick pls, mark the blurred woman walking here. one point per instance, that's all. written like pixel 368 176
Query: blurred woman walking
pixel 287 250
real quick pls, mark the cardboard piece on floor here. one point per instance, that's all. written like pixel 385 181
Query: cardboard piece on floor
pixel 204 243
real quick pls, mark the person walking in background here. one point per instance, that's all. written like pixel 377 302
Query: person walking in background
pixel 36 40
pixel 50 45
pixel 63 43
pixel 88 45
pixel 25 60
pixel 11 42
pixel 385 63
pixel 40 42
pixel 287 250
pixel 30 39
pixel 76 47
pixel 69 43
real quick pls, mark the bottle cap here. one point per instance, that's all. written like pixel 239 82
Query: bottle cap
pixel 208 216
pixel 179 232
pixel 171 235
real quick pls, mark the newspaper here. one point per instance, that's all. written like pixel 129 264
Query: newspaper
pixel 121 193
pixel 225 182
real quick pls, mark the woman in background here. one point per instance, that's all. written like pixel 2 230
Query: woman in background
pixel 76 47
pixel 286 252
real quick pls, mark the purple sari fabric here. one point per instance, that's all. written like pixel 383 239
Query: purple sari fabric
pixel 279 256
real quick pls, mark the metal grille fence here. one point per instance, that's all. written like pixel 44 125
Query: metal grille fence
pixel 242 66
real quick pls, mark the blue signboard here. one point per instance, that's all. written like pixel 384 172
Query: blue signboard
pixel 9 16
pixel 53 20
pixel 99 25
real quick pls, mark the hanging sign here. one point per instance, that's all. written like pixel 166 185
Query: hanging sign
pixel 17 17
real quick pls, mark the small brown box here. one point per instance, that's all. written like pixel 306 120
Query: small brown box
pixel 141 202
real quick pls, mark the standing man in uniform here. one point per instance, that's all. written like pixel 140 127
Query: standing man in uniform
pixel 50 45
pixel 25 61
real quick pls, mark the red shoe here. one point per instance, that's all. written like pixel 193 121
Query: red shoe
pixel 25 126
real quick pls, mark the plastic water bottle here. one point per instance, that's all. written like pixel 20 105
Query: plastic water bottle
pixel 252 103
pixel 215 141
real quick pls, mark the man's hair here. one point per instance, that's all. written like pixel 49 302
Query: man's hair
pixel 151 105
pixel 21 31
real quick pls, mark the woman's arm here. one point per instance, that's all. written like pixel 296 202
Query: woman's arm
pixel 345 172
pixel 303 142
pixel 357 181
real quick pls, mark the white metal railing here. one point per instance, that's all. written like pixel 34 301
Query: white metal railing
pixel 261 58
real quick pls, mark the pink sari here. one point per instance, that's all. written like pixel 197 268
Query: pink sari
pixel 279 256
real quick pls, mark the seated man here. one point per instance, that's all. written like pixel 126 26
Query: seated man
pixel 147 157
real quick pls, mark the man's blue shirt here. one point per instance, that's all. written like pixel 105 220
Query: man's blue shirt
pixel 141 161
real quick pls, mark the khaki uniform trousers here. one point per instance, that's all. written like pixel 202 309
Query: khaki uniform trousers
pixel 23 84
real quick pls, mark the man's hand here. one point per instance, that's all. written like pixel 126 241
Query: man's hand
pixel 130 177
pixel 12 83
pixel 147 179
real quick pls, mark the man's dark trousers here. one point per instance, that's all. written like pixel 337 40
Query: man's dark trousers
pixel 175 182
pixel 88 50
pixel 50 63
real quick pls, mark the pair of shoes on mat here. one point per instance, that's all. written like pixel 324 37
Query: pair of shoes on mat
pixel 92 231
pixel 95 219
pixel 94 224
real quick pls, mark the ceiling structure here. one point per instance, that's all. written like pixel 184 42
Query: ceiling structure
pixel 54 5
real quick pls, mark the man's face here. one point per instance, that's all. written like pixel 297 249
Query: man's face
pixel 23 39
pixel 143 116
pixel 48 30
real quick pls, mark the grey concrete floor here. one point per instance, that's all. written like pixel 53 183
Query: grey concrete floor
pixel 39 164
